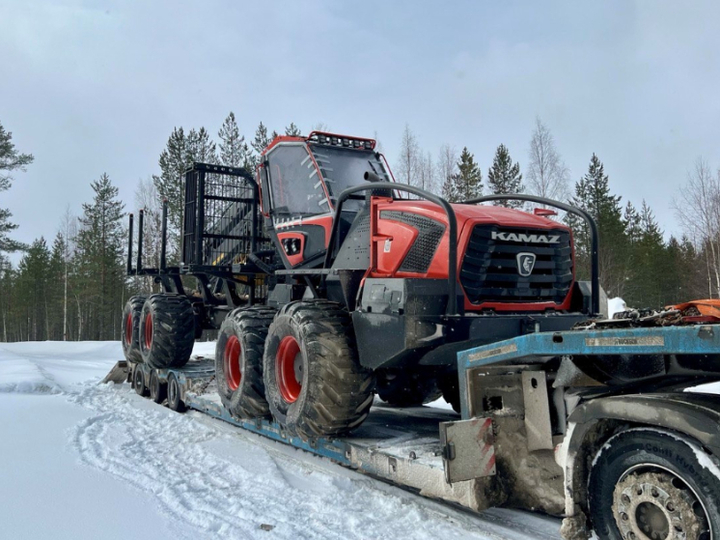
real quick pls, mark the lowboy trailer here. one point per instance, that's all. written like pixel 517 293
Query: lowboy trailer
pixel 609 428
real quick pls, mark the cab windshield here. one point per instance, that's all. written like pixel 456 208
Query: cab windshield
pixel 342 168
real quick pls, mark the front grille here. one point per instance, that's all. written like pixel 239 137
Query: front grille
pixel 489 271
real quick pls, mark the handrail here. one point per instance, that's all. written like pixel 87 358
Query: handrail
pixel 452 226
pixel 594 254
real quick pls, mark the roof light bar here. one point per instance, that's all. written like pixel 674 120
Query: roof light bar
pixel 341 140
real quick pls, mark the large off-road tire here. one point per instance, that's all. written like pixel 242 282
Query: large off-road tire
pixel 647 484
pixel 314 383
pixel 167 330
pixel 402 388
pixel 131 328
pixel 239 361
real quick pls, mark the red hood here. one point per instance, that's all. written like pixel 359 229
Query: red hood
pixel 497 215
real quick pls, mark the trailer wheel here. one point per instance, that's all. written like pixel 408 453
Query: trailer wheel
pixel 158 389
pixel 239 361
pixel 650 485
pixel 314 383
pixel 130 328
pixel 139 382
pixel 167 330
pixel 175 402
pixel 402 389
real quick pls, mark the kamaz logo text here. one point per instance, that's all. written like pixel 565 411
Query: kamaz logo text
pixel 527 238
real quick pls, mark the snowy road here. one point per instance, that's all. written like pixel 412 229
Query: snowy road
pixel 83 460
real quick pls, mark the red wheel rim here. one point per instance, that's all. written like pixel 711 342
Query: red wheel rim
pixel 128 329
pixel 231 362
pixel 148 331
pixel 288 363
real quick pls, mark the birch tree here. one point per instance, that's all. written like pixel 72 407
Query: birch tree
pixel 547 175
pixel 698 210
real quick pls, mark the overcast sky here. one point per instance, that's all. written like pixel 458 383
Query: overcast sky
pixel 92 87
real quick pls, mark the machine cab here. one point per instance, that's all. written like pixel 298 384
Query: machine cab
pixel 301 178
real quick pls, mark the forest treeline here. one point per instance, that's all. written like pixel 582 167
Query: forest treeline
pixel 72 284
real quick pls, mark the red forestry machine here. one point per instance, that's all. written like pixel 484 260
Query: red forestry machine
pixel 328 286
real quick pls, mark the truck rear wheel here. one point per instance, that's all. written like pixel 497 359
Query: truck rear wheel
pixel 158 389
pixel 403 389
pixel 167 330
pixel 239 361
pixel 652 485
pixel 139 382
pixel 174 398
pixel 130 328
pixel 314 383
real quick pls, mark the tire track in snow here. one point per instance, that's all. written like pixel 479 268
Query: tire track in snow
pixel 223 484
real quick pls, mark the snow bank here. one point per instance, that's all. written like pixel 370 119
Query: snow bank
pixel 616 305
pixel 42 367
pixel 707 388
pixel 49 366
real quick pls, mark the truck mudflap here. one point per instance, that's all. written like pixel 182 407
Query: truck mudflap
pixel 468 449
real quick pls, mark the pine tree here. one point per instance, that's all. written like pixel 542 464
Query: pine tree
pixel 8 332
pixel 100 243
pixel 10 160
pixel 293 130
pixel 592 194
pixel 200 148
pixel 55 296
pixel 33 285
pixel 259 143
pixel 504 177
pixel 174 161
pixel 648 264
pixel 234 151
pixel 466 184
pixel 632 222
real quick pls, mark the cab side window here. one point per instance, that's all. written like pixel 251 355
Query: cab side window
pixel 296 188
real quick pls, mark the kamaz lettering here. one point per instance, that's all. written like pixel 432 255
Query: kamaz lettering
pixel 527 238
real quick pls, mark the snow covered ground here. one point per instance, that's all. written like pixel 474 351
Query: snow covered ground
pixel 81 460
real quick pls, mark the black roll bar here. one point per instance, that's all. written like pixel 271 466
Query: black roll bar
pixel 163 236
pixel 138 266
pixel 130 244
pixel 594 237
pixel 333 244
